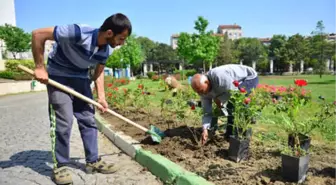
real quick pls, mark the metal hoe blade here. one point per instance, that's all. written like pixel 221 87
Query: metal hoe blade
pixel 156 134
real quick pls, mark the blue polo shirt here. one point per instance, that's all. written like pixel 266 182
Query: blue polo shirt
pixel 75 51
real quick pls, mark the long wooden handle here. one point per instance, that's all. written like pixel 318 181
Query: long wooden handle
pixel 88 100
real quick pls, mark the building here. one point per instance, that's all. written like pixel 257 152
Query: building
pixel 7 12
pixel 265 41
pixel 7 16
pixel 233 31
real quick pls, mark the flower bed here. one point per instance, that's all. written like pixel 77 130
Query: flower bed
pixel 182 125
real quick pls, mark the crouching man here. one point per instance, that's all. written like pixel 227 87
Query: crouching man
pixel 215 86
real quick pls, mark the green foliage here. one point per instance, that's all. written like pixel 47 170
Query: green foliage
pixel 147 47
pixel 15 38
pixel 189 72
pixel 201 46
pixel 130 53
pixel 225 53
pixel 250 49
pixel 278 51
pixel 185 47
pixel 162 52
pixel 7 74
pixel 12 65
pixel 150 74
pixel 245 108
pixel 297 48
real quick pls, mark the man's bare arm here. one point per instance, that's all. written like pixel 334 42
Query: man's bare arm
pixel 99 81
pixel 39 37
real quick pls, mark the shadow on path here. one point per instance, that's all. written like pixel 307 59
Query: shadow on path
pixel 40 161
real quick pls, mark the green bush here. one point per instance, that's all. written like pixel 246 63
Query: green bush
pixel 150 74
pixel 7 74
pixel 11 65
pixel 189 72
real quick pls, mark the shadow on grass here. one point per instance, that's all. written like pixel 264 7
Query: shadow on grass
pixel 323 82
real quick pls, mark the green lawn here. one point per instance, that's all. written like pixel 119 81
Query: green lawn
pixel 324 86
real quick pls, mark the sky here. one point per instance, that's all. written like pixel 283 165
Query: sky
pixel 158 20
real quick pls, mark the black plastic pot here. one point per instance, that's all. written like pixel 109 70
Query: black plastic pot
pixel 294 169
pixel 304 141
pixel 238 149
pixel 247 134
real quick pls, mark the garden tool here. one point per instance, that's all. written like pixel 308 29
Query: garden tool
pixel 154 132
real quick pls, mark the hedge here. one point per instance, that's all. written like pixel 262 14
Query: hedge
pixel 189 72
pixel 11 65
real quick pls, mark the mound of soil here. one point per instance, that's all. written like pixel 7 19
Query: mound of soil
pixel 210 161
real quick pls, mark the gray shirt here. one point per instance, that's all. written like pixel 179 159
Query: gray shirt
pixel 221 79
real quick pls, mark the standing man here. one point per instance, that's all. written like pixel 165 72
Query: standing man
pixel 215 85
pixel 77 48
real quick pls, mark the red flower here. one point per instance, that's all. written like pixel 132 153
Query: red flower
pixel 109 94
pixel 193 107
pixel 247 101
pixel 236 83
pixel 116 89
pixel 143 92
pixel 110 85
pixel 140 86
pixel 242 90
pixel 300 82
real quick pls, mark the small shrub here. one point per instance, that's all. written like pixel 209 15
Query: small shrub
pixel 12 65
pixel 150 74
pixel 7 74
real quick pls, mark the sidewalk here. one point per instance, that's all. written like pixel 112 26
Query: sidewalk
pixel 13 87
pixel 25 156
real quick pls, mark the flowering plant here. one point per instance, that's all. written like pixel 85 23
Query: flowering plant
pixel 292 107
pixel 245 109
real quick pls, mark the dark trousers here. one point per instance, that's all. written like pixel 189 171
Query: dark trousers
pixel 248 85
pixel 62 108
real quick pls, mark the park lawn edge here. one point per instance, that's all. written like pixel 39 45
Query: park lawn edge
pixel 163 168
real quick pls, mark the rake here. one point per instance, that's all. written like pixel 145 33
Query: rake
pixel 154 132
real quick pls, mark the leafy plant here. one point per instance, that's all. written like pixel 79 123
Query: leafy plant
pixel 193 115
pixel 245 108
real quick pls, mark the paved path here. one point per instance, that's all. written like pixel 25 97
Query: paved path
pixel 25 156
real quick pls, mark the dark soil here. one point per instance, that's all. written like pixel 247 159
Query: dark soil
pixel 263 165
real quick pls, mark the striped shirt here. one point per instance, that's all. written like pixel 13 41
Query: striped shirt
pixel 75 51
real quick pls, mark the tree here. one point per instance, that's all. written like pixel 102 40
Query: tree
pixel 201 46
pixel 318 46
pixel 297 48
pixel 164 52
pixel 185 47
pixel 206 45
pixel 128 54
pixel 251 49
pixel 225 54
pixel 278 51
pixel 15 38
pixel 147 46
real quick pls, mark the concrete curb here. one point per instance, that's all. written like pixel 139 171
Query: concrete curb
pixel 16 87
pixel 168 171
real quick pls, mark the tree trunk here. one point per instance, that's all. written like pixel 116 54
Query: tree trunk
pixel 203 66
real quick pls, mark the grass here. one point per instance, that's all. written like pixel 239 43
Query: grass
pixel 324 86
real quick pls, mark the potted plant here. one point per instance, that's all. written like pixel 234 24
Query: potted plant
pixel 244 110
pixel 295 156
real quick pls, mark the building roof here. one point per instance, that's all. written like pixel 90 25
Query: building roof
pixel 234 26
